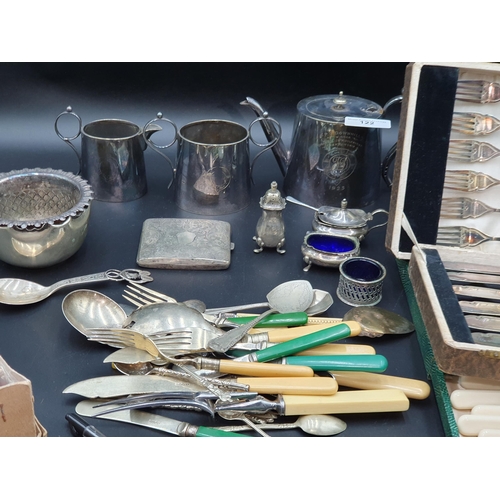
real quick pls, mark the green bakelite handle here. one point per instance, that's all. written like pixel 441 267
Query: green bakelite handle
pixel 331 334
pixel 211 432
pixel 375 363
pixel 274 320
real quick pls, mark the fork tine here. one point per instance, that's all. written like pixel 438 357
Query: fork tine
pixel 148 293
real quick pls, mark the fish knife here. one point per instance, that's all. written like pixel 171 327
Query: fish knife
pixel 152 421
pixel 123 385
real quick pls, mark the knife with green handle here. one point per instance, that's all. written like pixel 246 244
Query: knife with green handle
pixel 169 425
pixel 330 334
pixel 273 320
pixel 375 363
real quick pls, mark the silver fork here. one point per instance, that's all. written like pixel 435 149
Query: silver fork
pixel 464 208
pixel 461 236
pixel 471 151
pixel 468 180
pixel 478 91
pixel 474 123
pixel 137 294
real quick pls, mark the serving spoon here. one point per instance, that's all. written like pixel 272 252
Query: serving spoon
pixel 16 292
pixel 316 425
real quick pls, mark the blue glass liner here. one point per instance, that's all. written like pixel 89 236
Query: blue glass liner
pixel 331 243
pixel 360 269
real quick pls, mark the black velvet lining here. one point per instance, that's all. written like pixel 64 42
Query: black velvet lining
pixel 448 301
pixel 428 154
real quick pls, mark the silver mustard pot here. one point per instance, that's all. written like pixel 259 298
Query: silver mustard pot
pixel 342 221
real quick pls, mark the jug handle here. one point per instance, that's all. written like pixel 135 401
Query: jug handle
pixel 279 149
pixel 375 212
pixel 272 142
pixel 391 154
pixel 67 140
pixel 157 147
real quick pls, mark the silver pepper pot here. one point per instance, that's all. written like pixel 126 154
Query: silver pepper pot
pixel 270 231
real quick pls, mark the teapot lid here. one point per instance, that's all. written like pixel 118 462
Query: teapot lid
pixel 343 216
pixel 336 107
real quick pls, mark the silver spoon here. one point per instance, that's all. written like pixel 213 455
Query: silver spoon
pixel 88 309
pixel 376 321
pixel 14 291
pixel 316 425
pixel 290 296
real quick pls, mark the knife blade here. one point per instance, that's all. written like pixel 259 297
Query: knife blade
pixel 118 385
pixel 485 323
pixel 152 421
pixel 478 307
pixel 477 291
pixel 465 277
pixel 471 267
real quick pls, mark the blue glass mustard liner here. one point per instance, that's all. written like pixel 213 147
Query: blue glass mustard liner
pixel 432 369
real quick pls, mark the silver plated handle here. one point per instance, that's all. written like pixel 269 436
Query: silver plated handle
pixel 272 141
pixel 67 140
pixel 157 147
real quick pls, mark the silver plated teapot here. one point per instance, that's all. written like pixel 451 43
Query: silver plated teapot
pixel 335 151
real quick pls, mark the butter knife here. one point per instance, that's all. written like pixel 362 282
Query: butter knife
pixel 486 323
pixel 169 425
pixel 465 277
pixel 477 291
pixel 119 385
pixel 478 307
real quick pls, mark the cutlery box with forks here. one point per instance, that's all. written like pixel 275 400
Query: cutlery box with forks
pixel 433 120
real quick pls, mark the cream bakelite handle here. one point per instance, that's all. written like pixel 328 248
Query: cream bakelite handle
pixel 414 389
pixel 256 369
pixel 359 401
pixel 319 386
pixel 472 425
pixel 465 399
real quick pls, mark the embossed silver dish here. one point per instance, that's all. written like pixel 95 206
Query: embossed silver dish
pixel 43 216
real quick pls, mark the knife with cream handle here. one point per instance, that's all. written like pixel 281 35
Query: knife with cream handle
pixel 414 389
pixel 124 385
pixel 465 399
pixel 472 425
pixel 486 410
pixel 358 401
pixel 489 433
pixel 152 421
pixel 469 382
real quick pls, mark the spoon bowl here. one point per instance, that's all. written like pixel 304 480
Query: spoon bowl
pixel 87 309
pixel 376 321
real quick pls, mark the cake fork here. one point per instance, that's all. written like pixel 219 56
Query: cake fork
pixel 468 180
pixel 471 151
pixel 478 91
pixel 474 123
pixel 464 208
pixel 460 236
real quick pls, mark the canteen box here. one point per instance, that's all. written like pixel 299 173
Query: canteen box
pixel 17 416
pixel 421 164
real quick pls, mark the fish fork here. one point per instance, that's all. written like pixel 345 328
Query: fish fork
pixel 471 151
pixel 468 180
pixel 462 237
pixel 474 123
pixel 478 91
pixel 464 208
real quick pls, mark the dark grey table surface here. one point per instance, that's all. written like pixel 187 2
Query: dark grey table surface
pixel 37 341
